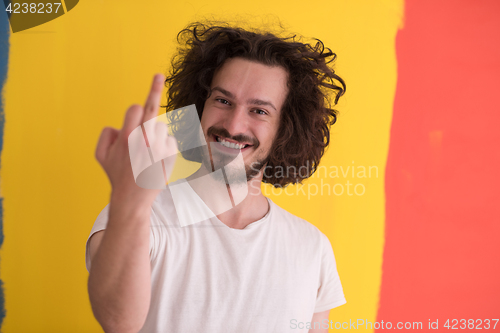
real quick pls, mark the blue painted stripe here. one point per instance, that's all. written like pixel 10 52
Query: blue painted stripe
pixel 4 59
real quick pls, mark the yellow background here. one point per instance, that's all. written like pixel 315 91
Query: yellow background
pixel 70 77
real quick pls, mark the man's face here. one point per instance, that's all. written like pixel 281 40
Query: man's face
pixel 243 111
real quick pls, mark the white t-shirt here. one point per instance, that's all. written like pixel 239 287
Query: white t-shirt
pixel 208 277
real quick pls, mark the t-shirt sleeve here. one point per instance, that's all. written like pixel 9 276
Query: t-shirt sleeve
pixel 100 224
pixel 330 293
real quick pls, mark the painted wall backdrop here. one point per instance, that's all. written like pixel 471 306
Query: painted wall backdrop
pixel 407 192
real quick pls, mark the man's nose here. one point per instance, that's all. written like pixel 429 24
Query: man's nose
pixel 236 121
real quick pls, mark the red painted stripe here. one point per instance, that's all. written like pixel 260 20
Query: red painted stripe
pixel 442 252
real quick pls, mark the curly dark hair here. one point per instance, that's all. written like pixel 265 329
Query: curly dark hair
pixel 306 114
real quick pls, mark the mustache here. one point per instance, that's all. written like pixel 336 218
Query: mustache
pixel 240 138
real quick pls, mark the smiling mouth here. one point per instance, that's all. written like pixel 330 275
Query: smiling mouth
pixel 232 145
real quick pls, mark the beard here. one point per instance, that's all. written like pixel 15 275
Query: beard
pixel 231 174
pixel 212 160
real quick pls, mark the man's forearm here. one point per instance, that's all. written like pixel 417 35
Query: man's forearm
pixel 120 276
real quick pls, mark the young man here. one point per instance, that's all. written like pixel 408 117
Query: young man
pixel 252 268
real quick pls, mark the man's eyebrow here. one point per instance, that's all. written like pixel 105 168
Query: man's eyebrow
pixel 255 101
pixel 224 91
pixel 261 102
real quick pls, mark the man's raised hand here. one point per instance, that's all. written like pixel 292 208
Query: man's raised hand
pixel 112 150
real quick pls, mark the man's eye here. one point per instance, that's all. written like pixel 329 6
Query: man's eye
pixel 258 111
pixel 221 100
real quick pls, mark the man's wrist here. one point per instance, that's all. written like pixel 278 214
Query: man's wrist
pixel 133 203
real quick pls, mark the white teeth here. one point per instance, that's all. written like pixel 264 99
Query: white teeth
pixel 229 144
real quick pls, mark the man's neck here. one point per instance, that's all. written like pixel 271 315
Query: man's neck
pixel 252 208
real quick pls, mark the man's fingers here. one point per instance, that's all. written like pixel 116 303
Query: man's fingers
pixel 133 118
pixel 153 101
pixel 108 136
